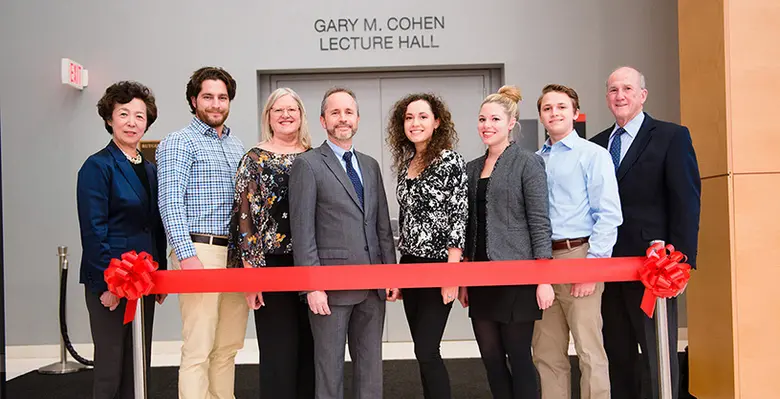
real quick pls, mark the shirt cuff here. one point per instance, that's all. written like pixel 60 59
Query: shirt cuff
pixel 185 250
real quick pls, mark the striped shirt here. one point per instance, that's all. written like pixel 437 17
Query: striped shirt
pixel 196 171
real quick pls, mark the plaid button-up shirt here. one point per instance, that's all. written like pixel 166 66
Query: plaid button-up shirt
pixel 196 171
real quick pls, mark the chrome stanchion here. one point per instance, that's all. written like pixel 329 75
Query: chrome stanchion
pixel 63 366
pixel 662 343
pixel 139 352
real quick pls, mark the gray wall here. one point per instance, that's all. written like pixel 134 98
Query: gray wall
pixel 49 129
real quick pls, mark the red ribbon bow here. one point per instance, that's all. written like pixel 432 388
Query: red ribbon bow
pixel 663 275
pixel 129 278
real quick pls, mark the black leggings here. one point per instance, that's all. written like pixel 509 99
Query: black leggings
pixel 285 341
pixel 497 341
pixel 427 316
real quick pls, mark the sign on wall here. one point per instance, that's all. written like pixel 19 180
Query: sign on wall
pixel 391 33
pixel 148 149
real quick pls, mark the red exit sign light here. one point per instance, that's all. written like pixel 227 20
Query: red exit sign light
pixel 73 74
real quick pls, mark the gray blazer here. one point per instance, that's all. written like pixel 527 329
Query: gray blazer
pixel 328 225
pixel 517 228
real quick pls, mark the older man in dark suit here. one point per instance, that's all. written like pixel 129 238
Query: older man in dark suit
pixel 660 193
pixel 339 216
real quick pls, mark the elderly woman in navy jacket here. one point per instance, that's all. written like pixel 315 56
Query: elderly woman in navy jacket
pixel 117 209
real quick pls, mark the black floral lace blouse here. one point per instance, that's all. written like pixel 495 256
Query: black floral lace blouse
pixel 260 222
pixel 433 207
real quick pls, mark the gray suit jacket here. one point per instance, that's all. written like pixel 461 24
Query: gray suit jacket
pixel 328 225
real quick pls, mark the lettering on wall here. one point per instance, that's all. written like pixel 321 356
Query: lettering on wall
pixel 391 33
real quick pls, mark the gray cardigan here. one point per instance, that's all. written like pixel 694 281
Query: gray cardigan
pixel 518 223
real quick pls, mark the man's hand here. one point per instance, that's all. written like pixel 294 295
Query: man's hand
pixel 581 290
pixel 544 296
pixel 109 300
pixel 160 298
pixel 191 263
pixel 392 294
pixel 254 300
pixel 318 302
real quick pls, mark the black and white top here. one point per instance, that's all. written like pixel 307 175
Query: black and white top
pixel 433 207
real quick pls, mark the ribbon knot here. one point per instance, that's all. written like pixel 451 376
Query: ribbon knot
pixel 662 275
pixel 130 278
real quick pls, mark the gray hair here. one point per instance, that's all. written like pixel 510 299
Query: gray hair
pixel 334 90
pixel 642 82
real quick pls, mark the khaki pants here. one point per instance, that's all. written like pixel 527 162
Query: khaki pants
pixel 213 330
pixel 551 340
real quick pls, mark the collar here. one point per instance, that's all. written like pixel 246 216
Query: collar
pixel 570 141
pixel 338 150
pixel 632 127
pixel 204 129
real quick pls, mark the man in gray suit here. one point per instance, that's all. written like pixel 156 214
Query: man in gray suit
pixel 339 216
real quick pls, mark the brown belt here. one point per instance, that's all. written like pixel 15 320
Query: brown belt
pixel 209 239
pixel 568 243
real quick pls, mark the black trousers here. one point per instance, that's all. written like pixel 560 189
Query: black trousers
pixel 113 370
pixel 625 325
pixel 496 342
pixel 285 341
pixel 427 316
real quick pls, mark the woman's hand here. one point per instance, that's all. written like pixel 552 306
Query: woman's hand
pixel 161 298
pixel 109 300
pixel 254 300
pixel 544 296
pixel 463 297
pixel 392 294
pixel 449 294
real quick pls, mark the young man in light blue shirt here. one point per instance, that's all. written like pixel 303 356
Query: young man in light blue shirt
pixel 585 214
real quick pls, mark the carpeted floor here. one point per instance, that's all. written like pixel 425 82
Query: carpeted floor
pixel 401 381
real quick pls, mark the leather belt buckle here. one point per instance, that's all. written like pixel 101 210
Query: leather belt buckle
pixel 209 239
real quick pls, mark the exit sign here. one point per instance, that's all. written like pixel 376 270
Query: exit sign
pixel 73 74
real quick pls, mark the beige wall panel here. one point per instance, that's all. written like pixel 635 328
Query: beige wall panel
pixel 753 36
pixel 710 316
pixel 757 273
pixel 703 82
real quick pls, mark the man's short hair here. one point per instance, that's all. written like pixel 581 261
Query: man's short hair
pixel 575 99
pixel 195 84
pixel 334 90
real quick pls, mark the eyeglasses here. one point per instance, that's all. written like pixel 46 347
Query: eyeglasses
pixel 282 111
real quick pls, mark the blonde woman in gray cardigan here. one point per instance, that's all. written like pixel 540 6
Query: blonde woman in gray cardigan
pixel 508 220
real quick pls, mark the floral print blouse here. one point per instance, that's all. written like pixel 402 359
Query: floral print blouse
pixel 260 222
pixel 433 207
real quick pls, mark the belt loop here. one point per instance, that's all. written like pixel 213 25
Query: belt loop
pixel 568 244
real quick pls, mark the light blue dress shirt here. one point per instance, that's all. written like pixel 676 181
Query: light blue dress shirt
pixel 632 128
pixel 340 155
pixel 583 191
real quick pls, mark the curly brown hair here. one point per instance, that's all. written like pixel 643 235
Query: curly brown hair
pixel 444 137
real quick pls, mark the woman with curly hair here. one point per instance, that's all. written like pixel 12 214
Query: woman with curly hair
pixel 431 194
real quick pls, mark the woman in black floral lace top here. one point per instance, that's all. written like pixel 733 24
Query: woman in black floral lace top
pixel 431 194
pixel 260 237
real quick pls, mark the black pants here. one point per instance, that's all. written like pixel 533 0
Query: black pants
pixel 498 340
pixel 285 341
pixel 625 325
pixel 113 340
pixel 427 316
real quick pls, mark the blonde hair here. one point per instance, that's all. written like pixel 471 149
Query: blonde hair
pixel 266 133
pixel 507 97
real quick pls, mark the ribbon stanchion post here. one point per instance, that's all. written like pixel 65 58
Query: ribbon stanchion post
pixel 660 271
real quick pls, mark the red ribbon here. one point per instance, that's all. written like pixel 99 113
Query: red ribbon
pixel 662 275
pixel 130 278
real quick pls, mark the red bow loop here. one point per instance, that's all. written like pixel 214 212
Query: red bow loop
pixel 130 278
pixel 662 275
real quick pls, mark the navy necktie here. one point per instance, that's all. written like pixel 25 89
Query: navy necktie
pixel 353 176
pixel 614 148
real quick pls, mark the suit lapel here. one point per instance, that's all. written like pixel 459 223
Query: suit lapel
pixel 335 167
pixel 368 181
pixel 151 174
pixel 637 146
pixel 124 166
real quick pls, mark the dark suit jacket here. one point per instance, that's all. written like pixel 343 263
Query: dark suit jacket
pixel 115 214
pixel 329 227
pixel 660 190
pixel 518 228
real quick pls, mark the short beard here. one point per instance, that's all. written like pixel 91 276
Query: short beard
pixel 340 136
pixel 203 116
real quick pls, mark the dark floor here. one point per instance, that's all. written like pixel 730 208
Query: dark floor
pixel 401 381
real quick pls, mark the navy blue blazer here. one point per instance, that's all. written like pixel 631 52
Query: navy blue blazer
pixel 115 214
pixel 660 190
